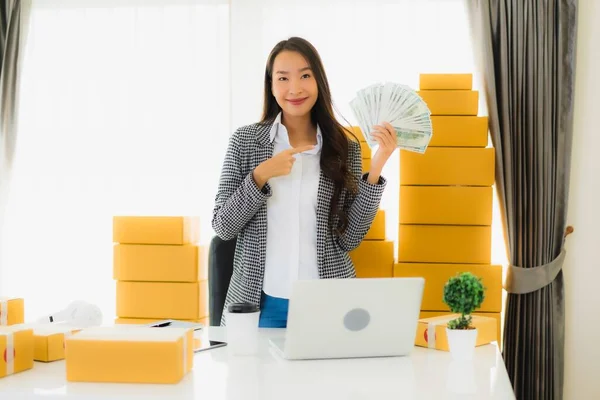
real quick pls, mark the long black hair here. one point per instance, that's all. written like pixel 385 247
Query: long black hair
pixel 334 153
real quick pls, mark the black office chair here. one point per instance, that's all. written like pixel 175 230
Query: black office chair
pixel 220 268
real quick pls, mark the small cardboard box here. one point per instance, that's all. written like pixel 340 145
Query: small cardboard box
pixel 156 230
pixel 374 259
pixel 49 341
pixel 451 102
pixel 12 311
pixel 377 230
pixel 16 346
pixel 129 355
pixel 459 131
pixel 445 244
pixel 162 300
pixel 431 332
pixel 446 205
pixel 496 316
pixel 452 166
pixel 160 263
pixel 446 81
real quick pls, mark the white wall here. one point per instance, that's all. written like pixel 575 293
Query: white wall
pixel 582 266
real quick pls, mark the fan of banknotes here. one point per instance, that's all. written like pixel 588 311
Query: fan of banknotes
pixel 399 105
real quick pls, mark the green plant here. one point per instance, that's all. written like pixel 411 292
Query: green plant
pixel 463 293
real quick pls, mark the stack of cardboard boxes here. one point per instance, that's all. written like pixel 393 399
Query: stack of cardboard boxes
pixel 374 258
pixel 446 199
pixel 160 269
pixel 16 340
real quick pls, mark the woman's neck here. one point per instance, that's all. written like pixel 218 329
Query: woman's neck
pixel 300 129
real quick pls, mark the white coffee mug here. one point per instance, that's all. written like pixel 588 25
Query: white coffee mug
pixel 242 328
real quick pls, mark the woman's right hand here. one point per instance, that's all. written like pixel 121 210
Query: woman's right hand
pixel 278 165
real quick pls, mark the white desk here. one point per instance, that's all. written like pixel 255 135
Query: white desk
pixel 426 374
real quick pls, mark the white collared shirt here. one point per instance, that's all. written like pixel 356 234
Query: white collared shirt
pixel 292 218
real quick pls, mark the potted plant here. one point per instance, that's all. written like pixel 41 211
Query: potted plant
pixel 463 293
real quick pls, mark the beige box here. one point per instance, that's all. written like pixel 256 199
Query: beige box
pixel 451 102
pixel 445 81
pixel 458 166
pixel 162 300
pixel 436 276
pixel 156 230
pixel 459 131
pixel 373 259
pixel 160 263
pixel 445 244
pixel 446 205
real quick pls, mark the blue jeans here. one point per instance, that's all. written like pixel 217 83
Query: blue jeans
pixel 273 312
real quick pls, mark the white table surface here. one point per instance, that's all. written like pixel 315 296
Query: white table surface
pixel 425 374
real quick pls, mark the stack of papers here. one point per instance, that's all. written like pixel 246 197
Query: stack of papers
pixel 399 105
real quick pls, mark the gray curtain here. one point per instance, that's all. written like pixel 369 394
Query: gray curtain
pixel 10 35
pixel 526 54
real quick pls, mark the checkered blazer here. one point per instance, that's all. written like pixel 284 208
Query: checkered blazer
pixel 241 210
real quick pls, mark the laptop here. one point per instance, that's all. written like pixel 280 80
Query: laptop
pixel 351 318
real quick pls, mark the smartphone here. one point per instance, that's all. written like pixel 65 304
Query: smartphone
pixel 201 342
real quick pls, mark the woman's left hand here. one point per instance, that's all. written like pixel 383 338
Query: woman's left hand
pixel 385 136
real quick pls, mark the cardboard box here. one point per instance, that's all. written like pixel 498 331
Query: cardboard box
pixel 431 332
pixel 451 102
pixel 144 321
pixel 445 81
pixel 156 230
pixel 162 300
pixel 446 205
pixel 496 316
pixel 160 263
pixel 366 165
pixel 373 259
pixel 445 244
pixel 129 355
pixel 377 230
pixel 436 276
pixel 457 166
pixel 16 344
pixel 49 341
pixel 12 311
pixel 461 131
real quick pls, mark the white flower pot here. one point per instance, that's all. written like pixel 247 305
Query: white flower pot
pixel 462 343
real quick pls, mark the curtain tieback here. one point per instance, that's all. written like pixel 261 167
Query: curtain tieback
pixel 521 280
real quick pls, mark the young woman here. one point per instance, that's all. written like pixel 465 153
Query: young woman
pixel 292 189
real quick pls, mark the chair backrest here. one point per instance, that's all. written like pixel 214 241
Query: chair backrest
pixel 220 268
